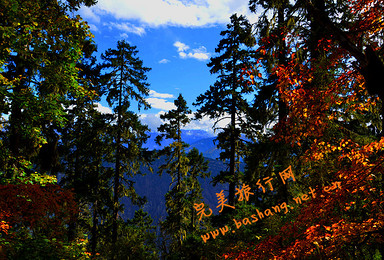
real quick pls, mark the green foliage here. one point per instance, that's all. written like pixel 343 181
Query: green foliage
pixel 127 77
pixel 136 240
pixel 177 167
pixel 41 248
pixel 185 188
pixel 177 118
pixel 126 81
pixel 41 45
pixel 49 82
pixel 33 178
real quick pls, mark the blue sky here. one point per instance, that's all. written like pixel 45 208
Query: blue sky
pixel 175 38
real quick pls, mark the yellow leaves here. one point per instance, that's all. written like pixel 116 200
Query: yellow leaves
pixel 358 155
pixel 4 227
pixel 41 179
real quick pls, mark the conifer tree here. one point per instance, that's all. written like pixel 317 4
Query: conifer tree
pixel 83 149
pixel 126 83
pixel 198 168
pixel 184 170
pixel 42 43
pixel 267 158
pixel 177 167
pixel 226 98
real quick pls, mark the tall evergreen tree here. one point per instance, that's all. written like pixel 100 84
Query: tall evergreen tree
pixel 127 82
pixel 42 43
pixel 137 239
pixel 177 167
pixel 84 147
pixel 227 97
pixel 184 170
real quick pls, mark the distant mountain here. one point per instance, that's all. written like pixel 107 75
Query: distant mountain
pixel 200 139
pixel 207 147
pixel 154 188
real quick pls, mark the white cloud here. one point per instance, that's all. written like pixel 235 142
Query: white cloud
pixel 123 35
pixel 199 53
pixel 153 121
pixel 206 124
pixel 126 27
pixel 182 55
pixel 88 14
pixel 160 103
pixel 155 94
pixel 93 28
pixel 153 13
pixel 181 47
pixel 102 109
pixel 159 100
pixel 164 61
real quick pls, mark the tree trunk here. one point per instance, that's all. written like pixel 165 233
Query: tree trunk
pixel 232 158
pixel 117 164
pixel 94 229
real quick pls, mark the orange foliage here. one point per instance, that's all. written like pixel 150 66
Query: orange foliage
pixel 321 228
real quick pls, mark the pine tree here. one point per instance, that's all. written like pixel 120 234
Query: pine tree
pixel 177 167
pixel 267 158
pixel 227 97
pixel 42 44
pixel 198 168
pixel 127 82
pixel 184 169
pixel 84 147
pixel 137 239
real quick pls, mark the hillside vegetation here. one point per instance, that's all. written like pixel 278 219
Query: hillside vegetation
pixel 296 173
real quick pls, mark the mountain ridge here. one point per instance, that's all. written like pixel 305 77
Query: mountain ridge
pixel 200 139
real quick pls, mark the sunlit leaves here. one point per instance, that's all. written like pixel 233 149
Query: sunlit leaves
pixel 333 122
pixel 41 44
